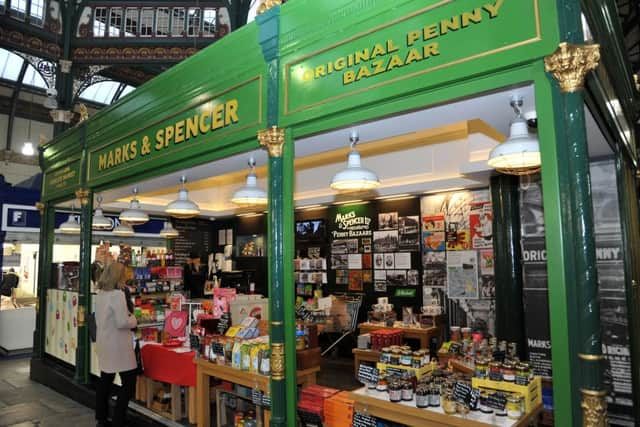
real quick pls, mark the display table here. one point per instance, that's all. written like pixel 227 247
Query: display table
pixel 361 355
pixel 421 334
pixel 172 366
pixel 377 404
pixel 205 370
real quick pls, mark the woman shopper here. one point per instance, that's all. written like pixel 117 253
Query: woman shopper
pixel 114 341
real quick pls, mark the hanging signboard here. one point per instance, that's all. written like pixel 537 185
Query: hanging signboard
pixel 440 35
pixel 218 116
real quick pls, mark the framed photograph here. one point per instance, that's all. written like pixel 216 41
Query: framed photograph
pixel 388 221
pixel 396 278
pixel 355 280
pixel 339 247
pixel 389 261
pixel 250 245
pixel 409 224
pixel 342 277
pixel 380 286
pixel 385 241
pixel 355 261
pixel 367 261
pixel 367 276
pixel 412 277
pixel 340 261
pixel 402 260
pixel 366 249
pixel 378 261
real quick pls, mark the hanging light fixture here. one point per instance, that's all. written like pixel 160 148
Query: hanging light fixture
pixel 123 229
pixel 27 147
pixel 99 221
pixel 520 154
pixel 182 207
pixel 354 177
pixel 134 215
pixel 70 226
pixel 250 194
pixel 168 232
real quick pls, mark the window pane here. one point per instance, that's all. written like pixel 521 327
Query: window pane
pixel 178 21
pixel 99 21
pixel 10 65
pixel 19 8
pixel 33 78
pixel 194 22
pixel 131 22
pixel 101 92
pixel 162 21
pixel 36 12
pixel 146 22
pixel 3 4
pixel 115 22
pixel 209 22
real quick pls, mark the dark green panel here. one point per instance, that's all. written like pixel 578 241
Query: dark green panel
pixel 508 260
pixel 61 181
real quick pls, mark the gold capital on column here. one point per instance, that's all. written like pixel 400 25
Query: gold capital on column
pixel 570 63
pixel 40 207
pixel 272 139
pixel 594 408
pixel 277 361
pixel 83 196
pixel 267 4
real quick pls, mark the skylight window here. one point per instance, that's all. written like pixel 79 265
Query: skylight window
pixel 104 92
pixel 10 65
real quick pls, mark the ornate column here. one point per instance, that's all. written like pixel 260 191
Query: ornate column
pixel 281 287
pixel 83 353
pixel 569 65
pixel 47 224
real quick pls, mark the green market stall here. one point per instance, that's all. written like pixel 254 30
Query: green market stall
pixel 309 67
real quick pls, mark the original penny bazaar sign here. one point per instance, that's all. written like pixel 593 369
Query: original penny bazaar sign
pixel 61 181
pixel 220 116
pixel 442 34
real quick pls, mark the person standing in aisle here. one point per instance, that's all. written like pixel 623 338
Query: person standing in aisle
pixel 114 341
pixel 10 281
pixel 194 276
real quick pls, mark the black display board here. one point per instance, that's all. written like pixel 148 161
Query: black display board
pixel 195 237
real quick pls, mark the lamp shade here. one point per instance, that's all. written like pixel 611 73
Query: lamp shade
pixel 250 194
pixel 134 215
pixel 168 232
pixel 123 230
pixel 182 207
pixel 99 221
pixel 27 149
pixel 355 177
pixel 518 155
pixel 70 226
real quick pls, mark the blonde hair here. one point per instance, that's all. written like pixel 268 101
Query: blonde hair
pixel 112 276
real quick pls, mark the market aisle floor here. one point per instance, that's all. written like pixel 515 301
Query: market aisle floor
pixel 25 403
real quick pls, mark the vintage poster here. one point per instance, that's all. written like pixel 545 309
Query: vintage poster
pixel 433 222
pixel 486 262
pixel 433 241
pixel 355 280
pixel 367 276
pixel 434 266
pixel 462 275
pixel 481 226
pixel 366 261
pixel 457 237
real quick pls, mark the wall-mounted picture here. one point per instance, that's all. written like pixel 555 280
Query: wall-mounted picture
pixel 433 222
pixel 342 277
pixel 481 225
pixel 366 249
pixel 462 275
pixel 409 224
pixel 389 261
pixel 366 241
pixel 355 261
pixel 388 221
pixel 402 260
pixel 412 277
pixel 434 274
pixel 433 241
pixel 378 261
pixel 367 261
pixel 340 261
pixel 457 237
pixel 396 277
pixel 250 245
pixel 355 280
pixel 385 241
pixel 367 276
pixel 380 286
pixel 339 247
pixel 352 246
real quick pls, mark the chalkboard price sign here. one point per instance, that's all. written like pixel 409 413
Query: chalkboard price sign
pixel 217 349
pixel 463 393
pixel 224 323
pixel 266 401
pixel 364 420
pixel 368 374
pixel 497 401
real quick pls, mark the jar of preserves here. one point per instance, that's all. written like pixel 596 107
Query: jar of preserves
pixel 466 334
pixel 482 368
pixel 484 401
pixel 422 396
pixel 385 355
pixel 508 372
pixel 395 391
pixel 495 371
pixel 416 360
pixel 449 405
pixel 522 373
pixel 382 385
pixel 455 333
pixel 395 356
pixel 406 358
pixel 514 406
pixel 407 391
pixel 434 395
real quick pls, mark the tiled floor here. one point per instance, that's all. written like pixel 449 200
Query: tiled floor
pixel 24 403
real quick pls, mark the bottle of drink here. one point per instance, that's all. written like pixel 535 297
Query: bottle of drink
pixel 133 257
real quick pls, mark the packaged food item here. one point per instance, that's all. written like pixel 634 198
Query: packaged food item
pixel 508 372
pixel 407 391
pixel 236 355
pixel 395 391
pixel 434 395
pixel 255 358
pixel 514 406
pixel 245 357
pixel 422 396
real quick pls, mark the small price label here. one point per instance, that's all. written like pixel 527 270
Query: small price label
pixel 368 374
pixel 364 420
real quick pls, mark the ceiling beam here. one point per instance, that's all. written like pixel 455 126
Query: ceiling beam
pixel 14 103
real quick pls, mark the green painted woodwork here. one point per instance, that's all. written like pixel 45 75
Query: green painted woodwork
pixel 83 351
pixel 61 181
pixel 558 220
pixel 44 274
pixel 507 39
pixel 630 225
pixel 215 121
pixel 508 261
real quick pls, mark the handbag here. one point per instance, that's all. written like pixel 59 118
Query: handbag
pixel 136 349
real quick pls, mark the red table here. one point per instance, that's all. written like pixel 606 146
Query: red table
pixel 164 364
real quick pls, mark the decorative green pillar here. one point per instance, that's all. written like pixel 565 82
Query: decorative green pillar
pixel 508 259
pixel 83 352
pixel 569 66
pixel 47 224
